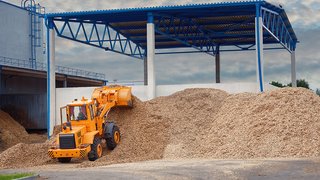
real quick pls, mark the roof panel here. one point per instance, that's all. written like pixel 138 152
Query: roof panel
pixel 225 23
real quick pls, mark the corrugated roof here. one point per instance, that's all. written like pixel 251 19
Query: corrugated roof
pixel 217 19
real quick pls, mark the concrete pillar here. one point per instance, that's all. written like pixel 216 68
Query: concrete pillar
pixel 218 65
pixel 150 57
pixel 65 82
pixel 51 81
pixel 259 48
pixel 293 69
pixel 145 70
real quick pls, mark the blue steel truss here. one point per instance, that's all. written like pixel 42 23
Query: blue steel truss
pixel 276 27
pixel 200 26
pixel 98 35
pixel 185 31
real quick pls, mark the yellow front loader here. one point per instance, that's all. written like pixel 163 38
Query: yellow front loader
pixel 87 125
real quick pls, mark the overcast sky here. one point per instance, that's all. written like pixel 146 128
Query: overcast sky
pixel 197 68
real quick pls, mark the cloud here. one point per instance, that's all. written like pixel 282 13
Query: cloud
pixel 197 68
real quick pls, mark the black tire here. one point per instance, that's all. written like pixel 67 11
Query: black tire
pixel 113 141
pixel 94 153
pixel 64 160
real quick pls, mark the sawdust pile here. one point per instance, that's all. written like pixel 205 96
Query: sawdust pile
pixel 209 123
pixel 11 131
pixel 280 123
pixel 25 155
pixel 17 145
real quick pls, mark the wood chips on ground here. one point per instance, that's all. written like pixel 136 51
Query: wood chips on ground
pixel 210 123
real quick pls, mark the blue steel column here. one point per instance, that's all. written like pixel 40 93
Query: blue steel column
pixel 259 47
pixel 50 75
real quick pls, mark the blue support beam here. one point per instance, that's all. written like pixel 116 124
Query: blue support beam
pixel 259 47
pixel 49 25
pixel 273 23
pixel 224 50
pixel 103 36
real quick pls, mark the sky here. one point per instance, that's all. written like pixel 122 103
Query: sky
pixel 196 68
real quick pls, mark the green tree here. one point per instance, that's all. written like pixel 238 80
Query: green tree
pixel 318 92
pixel 301 83
pixel 277 84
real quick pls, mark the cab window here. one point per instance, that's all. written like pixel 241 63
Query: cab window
pixel 78 112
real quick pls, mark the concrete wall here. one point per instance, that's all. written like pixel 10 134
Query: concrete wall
pixel 24 98
pixel 15 41
pixel 66 95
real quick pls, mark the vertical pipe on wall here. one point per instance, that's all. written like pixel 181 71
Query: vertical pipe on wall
pixel 218 65
pixel 150 57
pixel 293 69
pixel 259 47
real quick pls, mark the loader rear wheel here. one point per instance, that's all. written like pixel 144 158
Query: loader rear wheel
pixel 64 160
pixel 96 149
pixel 114 140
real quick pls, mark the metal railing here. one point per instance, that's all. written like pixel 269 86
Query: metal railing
pixel 126 82
pixel 12 62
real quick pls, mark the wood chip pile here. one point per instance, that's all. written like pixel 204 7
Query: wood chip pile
pixel 209 123
pixel 11 131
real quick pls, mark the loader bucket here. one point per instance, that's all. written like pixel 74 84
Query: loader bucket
pixel 121 95
pixel 124 97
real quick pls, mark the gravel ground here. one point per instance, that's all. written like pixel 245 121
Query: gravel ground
pixel 186 169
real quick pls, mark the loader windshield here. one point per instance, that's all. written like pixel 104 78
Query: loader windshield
pixel 78 112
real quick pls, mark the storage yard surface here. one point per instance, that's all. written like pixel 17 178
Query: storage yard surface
pixel 193 124
pixel 185 169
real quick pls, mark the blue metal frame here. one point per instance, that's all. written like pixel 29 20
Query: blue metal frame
pixel 116 41
pixel 187 33
pixel 273 23
pixel 259 48
pixel 49 26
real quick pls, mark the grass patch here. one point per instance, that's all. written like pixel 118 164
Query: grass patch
pixel 14 176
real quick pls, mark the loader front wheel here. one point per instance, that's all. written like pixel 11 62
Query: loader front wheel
pixel 96 149
pixel 114 140
pixel 64 160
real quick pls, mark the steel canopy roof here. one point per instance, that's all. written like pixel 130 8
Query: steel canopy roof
pixel 223 24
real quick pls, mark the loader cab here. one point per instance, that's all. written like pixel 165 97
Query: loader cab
pixel 77 111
